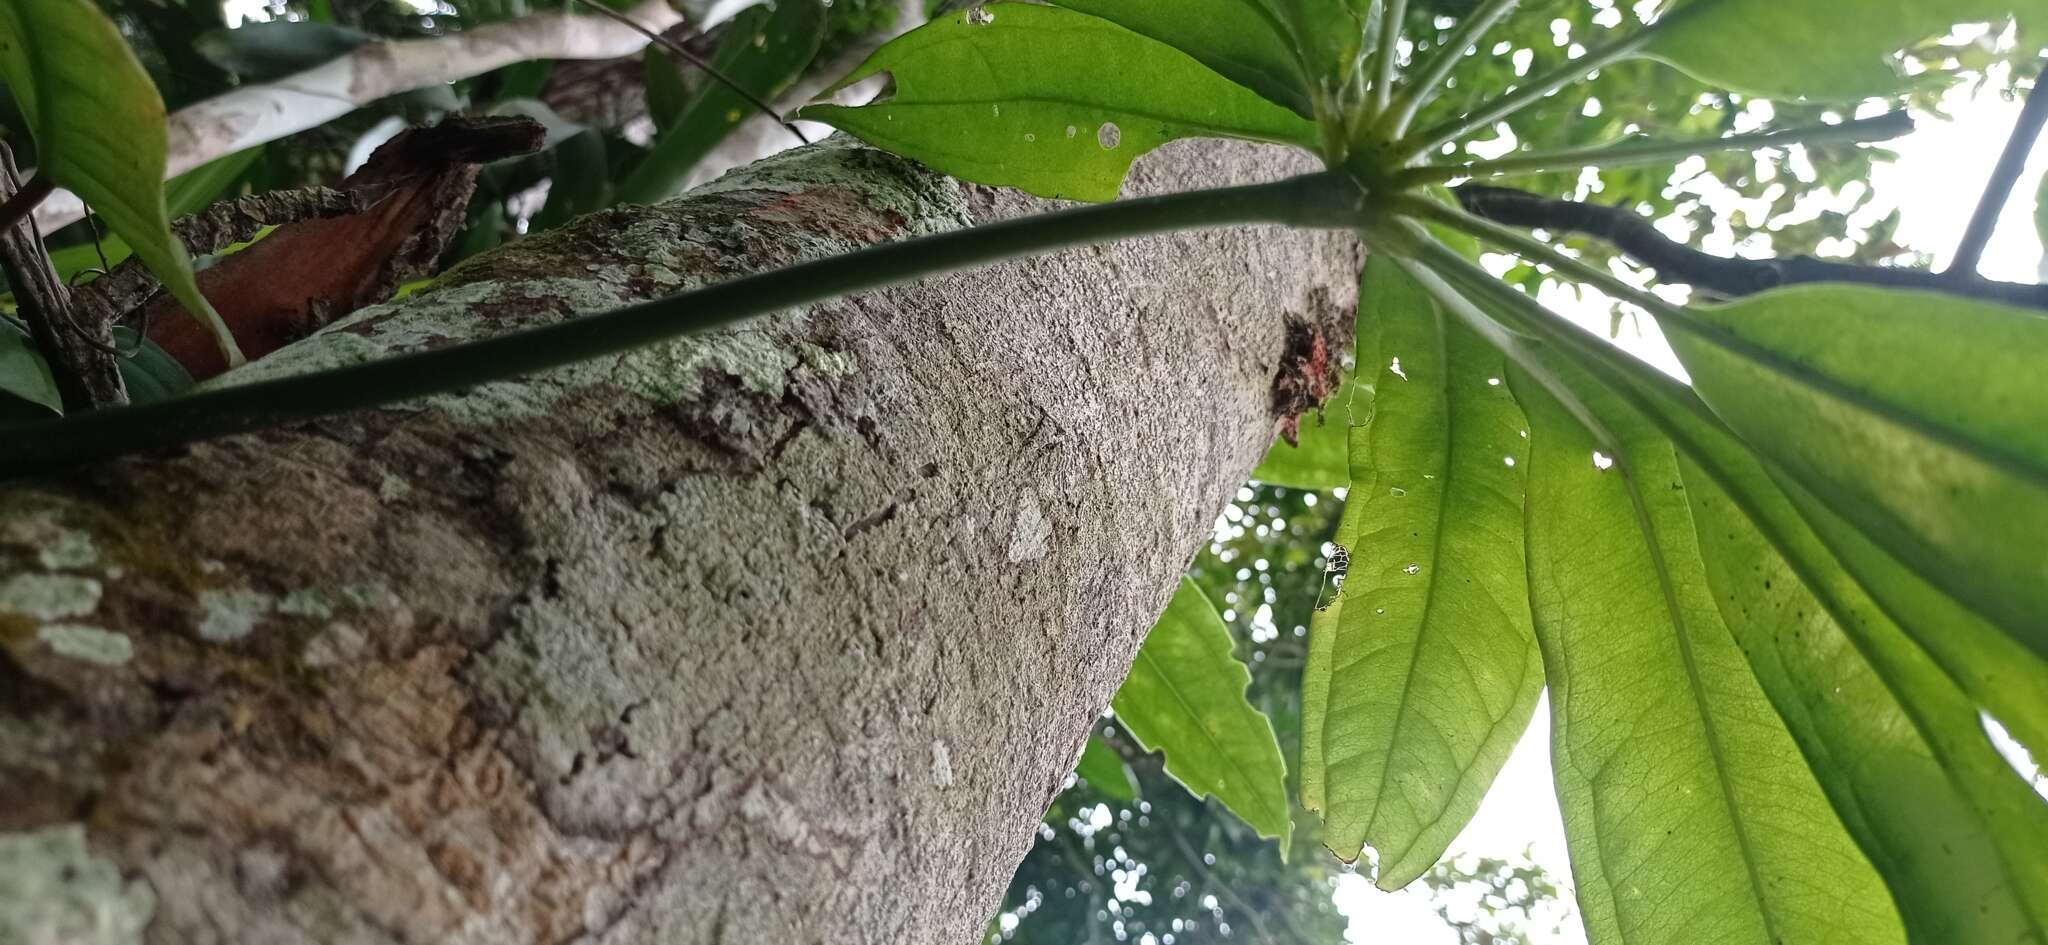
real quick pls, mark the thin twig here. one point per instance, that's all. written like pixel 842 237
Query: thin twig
pixel 1998 190
pixel 683 52
pixel 1637 237
pixel 1394 11
pixel 23 202
pixel 1653 151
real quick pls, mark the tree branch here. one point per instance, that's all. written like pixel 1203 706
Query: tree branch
pixel 255 114
pixel 80 355
pixel 1635 236
pixel 1998 190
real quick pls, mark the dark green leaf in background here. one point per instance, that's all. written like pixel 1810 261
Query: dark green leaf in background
pixel 24 376
pixel 1105 772
pixel 765 49
pixel 261 51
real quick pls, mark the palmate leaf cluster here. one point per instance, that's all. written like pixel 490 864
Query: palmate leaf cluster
pixel 1772 607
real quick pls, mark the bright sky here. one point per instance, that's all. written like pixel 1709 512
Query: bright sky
pixel 1935 184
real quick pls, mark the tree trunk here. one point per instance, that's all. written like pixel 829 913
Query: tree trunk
pixel 784 634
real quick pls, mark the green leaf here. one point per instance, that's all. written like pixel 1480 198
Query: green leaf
pixel 185 194
pixel 1913 416
pixel 1818 49
pixel 1105 772
pixel 1689 812
pixel 1047 100
pixel 198 188
pixel 99 130
pixel 1893 743
pixel 1245 42
pixel 765 49
pixel 580 184
pixel 1953 830
pixel 1433 667
pixel 1185 697
pixel 1319 458
pixel 667 95
pixel 24 375
pixel 150 374
pixel 259 52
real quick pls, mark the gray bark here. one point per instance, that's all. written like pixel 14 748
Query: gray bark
pixel 784 634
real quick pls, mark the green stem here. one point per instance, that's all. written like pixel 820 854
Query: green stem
pixel 1880 128
pixel 1515 313
pixel 1325 200
pixel 1425 85
pixel 1417 145
pixel 1529 247
pixel 1396 12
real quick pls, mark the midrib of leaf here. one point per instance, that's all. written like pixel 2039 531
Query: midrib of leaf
pixel 1692 675
pixel 1208 735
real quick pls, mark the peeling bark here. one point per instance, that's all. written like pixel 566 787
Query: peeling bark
pixel 783 634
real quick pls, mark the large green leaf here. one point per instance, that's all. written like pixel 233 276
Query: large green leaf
pixel 1689 811
pixel 1819 49
pixel 1185 698
pixel 1433 667
pixel 1914 416
pixel 1246 41
pixel 1955 832
pixel 1048 100
pixel 1894 744
pixel 765 49
pixel 99 130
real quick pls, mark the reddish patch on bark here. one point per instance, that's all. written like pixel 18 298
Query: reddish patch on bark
pixel 415 189
pixel 833 212
pixel 1309 374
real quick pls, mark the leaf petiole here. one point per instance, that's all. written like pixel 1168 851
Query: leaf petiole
pixel 1426 84
pixel 1626 153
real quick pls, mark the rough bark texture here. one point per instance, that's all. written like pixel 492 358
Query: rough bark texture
pixel 785 634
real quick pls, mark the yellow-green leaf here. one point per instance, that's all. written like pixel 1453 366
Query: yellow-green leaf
pixel 1185 698
pixel 1915 417
pixel 1048 100
pixel 1689 811
pixel 1431 669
